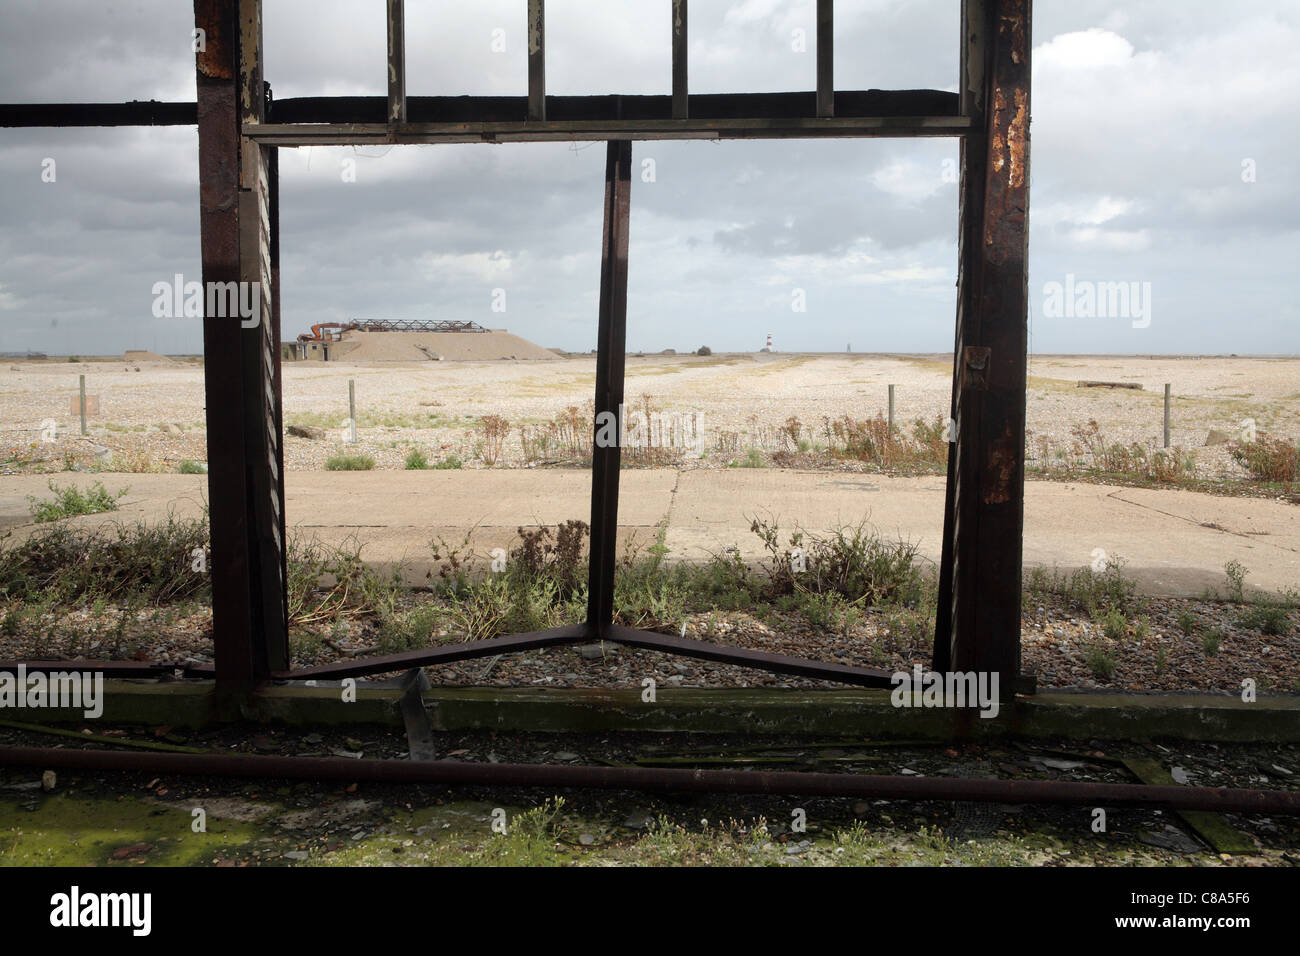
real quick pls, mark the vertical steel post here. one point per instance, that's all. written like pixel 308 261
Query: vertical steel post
pixel 218 122
pixel 259 354
pixel 611 349
pixel 536 59
pixel 278 388
pixel 396 63
pixel 241 354
pixel 825 57
pixel 980 574
pixel 681 107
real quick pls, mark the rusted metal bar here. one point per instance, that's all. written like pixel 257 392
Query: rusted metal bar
pixel 867 104
pixel 279 658
pixel 825 57
pixel 906 107
pixel 447 654
pixel 458 773
pixel 681 95
pixel 994 363
pixel 396 62
pixel 414 134
pixel 981 568
pixel 761 660
pixel 971 93
pixel 219 170
pixel 611 348
pixel 119 669
pixel 134 113
pixel 259 355
pixel 536 59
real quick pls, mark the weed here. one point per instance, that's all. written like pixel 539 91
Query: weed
pixel 411 630
pixel 483 609
pixel 1097 592
pixel 327 583
pixel 872 440
pixel 1113 624
pixel 416 460
pixel 1236 575
pixel 852 561
pixel 71 501
pixel 349 463
pixel 529 840
pixel 1267 458
pixel 153 563
pixel 1101 662
pixel 1271 619
pixel 494 430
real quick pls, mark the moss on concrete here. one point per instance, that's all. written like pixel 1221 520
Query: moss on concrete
pixel 70 829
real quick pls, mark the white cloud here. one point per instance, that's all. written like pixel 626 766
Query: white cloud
pixel 908 180
pixel 1083 50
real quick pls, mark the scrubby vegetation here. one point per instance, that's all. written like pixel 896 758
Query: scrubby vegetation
pixel 349 463
pixel 70 501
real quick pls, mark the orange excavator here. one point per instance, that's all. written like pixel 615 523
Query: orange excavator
pixel 319 333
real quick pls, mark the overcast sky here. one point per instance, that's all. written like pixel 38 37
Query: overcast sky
pixel 1165 150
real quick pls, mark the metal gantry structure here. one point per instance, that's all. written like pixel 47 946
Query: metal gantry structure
pixel 242 127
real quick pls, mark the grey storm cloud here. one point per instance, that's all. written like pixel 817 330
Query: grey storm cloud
pixel 1145 121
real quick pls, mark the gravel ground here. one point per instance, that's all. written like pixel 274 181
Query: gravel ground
pixel 435 406
pixel 1056 648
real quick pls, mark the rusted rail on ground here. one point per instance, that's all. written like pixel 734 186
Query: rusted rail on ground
pixel 457 773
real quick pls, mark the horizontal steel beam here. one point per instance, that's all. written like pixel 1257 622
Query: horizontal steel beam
pixel 135 113
pixel 458 773
pixel 118 669
pixel 562 110
pixel 432 119
pixel 359 134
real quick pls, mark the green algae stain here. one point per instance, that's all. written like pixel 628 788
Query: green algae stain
pixel 74 830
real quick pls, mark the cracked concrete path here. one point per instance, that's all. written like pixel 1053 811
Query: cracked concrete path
pixel 1174 543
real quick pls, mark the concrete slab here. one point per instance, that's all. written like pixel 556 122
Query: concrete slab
pixel 849 712
pixel 1175 543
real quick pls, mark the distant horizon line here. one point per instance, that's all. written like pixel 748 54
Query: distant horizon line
pixel 35 354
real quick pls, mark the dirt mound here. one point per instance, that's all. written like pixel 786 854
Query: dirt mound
pixel 144 355
pixel 448 346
